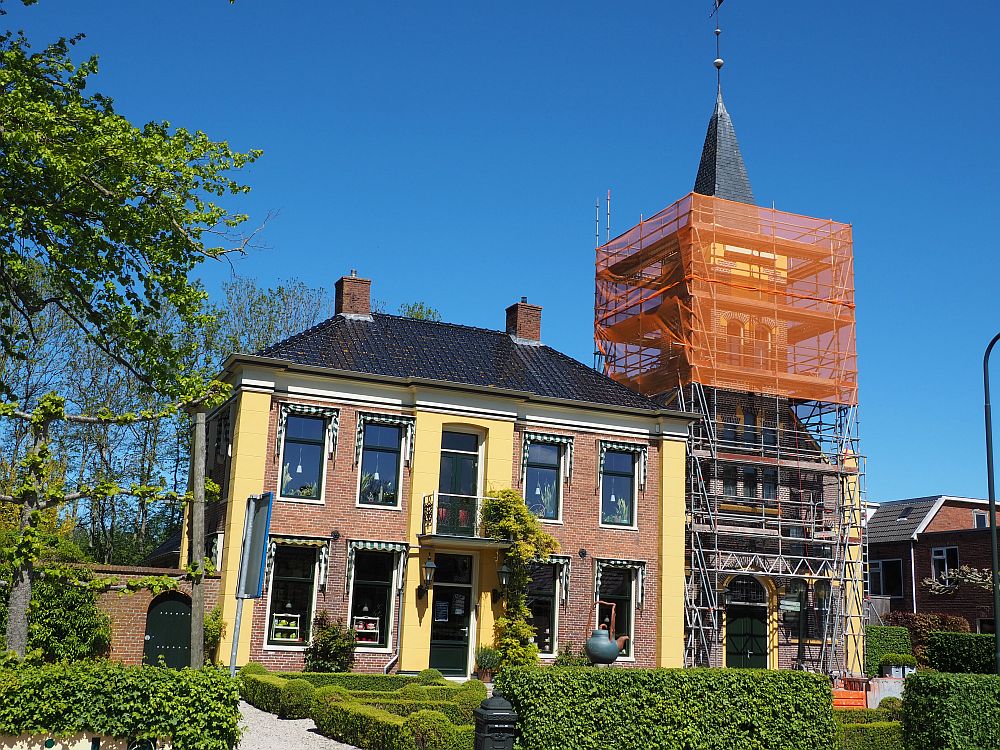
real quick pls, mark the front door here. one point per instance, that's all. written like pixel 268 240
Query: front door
pixel 746 637
pixel 451 614
pixel 168 632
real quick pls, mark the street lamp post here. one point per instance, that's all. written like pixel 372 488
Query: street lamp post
pixel 993 498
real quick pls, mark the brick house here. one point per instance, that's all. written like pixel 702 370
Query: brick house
pixel 928 537
pixel 379 436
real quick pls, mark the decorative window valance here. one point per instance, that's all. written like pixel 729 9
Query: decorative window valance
pixel 323 545
pixel 637 566
pixel 396 548
pixel 330 414
pixel 407 423
pixel 542 437
pixel 563 561
pixel 642 451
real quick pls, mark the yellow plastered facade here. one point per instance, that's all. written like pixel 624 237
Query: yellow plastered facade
pixel 854 640
pixel 670 638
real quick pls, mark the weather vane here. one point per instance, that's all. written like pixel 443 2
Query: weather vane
pixel 719 62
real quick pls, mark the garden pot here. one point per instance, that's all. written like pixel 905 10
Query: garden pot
pixel 892 670
pixel 600 648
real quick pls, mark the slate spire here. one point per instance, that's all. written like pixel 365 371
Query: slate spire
pixel 722 172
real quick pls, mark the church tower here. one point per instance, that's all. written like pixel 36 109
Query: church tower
pixel 745 315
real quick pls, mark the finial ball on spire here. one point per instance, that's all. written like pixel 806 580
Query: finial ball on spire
pixel 719 62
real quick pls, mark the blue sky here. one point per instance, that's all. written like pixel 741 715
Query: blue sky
pixel 452 152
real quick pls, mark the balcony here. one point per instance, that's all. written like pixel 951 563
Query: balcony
pixel 455 521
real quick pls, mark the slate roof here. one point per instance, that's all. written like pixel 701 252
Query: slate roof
pixel 722 172
pixel 891 522
pixel 395 346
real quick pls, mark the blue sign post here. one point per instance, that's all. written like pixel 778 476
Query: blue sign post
pixel 253 561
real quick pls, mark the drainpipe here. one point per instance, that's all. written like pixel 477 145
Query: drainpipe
pixel 398 646
pixel 913 578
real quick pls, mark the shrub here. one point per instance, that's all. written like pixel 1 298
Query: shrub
pixel 332 646
pixel 332 693
pixel 566 658
pixel 252 668
pixel 363 726
pixel 893 706
pixel 474 688
pixel 194 709
pixel 670 708
pixel 881 640
pixel 881 735
pixel 353 681
pixel 962 652
pixel 488 658
pixel 455 712
pixel 215 628
pixel 430 677
pixel 429 730
pixel 898 660
pixel 263 691
pixel 862 715
pixel 296 699
pixel 951 712
pixel 921 624
pixel 413 692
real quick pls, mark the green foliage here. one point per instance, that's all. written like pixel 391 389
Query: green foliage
pixel 865 715
pixel 263 691
pixel 215 628
pixel 882 735
pixel 894 706
pixel 365 727
pixel 506 516
pixel 419 311
pixel 430 677
pixel 353 681
pixel 951 712
pixel 193 709
pixel 252 668
pixel 296 699
pixel 898 660
pixel 566 658
pixel 881 640
pixel 488 658
pixel 332 646
pixel 962 652
pixel 431 730
pixel 682 709
pixel 921 625
pixel 331 693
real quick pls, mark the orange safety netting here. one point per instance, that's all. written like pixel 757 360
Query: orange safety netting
pixel 732 296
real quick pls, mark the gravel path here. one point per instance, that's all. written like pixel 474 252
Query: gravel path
pixel 266 732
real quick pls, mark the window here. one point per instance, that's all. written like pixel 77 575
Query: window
pixel 542 487
pixel 371 598
pixel 290 599
pixel 886 578
pixel 617 587
pixel 749 481
pixel 986 625
pixel 980 519
pixel 380 465
pixel 542 603
pixel 734 342
pixel 820 610
pixel 750 434
pixel 770 432
pixel 302 462
pixel 458 484
pixel 729 429
pixel 770 485
pixel 618 489
pixel 944 561
pixel 762 346
pixel 729 481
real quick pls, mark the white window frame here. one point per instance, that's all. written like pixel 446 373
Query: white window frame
pixel 270 597
pixel 560 481
pixel 944 556
pixel 399 479
pixel 393 596
pixel 556 604
pixel 980 514
pixel 634 578
pixel 635 498
pixel 881 576
pixel 321 500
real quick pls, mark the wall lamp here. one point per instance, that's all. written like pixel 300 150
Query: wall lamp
pixel 503 575
pixel 427 578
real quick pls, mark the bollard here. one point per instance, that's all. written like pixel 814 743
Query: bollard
pixel 496 724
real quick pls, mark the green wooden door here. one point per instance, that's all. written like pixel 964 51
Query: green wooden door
pixel 746 637
pixel 168 632
pixel 450 629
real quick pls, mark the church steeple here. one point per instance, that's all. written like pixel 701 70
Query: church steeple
pixel 722 172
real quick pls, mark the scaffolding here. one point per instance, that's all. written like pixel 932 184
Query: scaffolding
pixel 745 316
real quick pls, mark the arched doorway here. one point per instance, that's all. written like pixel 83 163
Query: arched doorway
pixel 746 624
pixel 168 631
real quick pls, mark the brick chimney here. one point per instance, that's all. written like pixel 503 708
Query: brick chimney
pixel 524 321
pixel 354 295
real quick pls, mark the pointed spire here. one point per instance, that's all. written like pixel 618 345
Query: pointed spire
pixel 722 172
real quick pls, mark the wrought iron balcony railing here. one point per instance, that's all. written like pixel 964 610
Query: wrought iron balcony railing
pixel 453 515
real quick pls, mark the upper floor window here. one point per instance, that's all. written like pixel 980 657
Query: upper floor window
pixel 750 435
pixel 729 481
pixel 749 481
pixel 770 484
pixel 618 488
pixel 886 578
pixel 542 488
pixel 302 457
pixel 944 562
pixel 380 465
pixel 980 519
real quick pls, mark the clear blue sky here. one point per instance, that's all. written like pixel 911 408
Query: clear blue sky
pixel 452 152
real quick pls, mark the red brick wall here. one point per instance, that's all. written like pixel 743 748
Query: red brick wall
pixel 128 610
pixel 955 516
pixel 897 551
pixel 968 601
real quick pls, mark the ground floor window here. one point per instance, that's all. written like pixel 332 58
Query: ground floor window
pixel 618 588
pixel 542 602
pixel 371 598
pixel 986 625
pixel 887 578
pixel 291 595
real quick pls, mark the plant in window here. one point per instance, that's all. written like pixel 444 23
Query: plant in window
pixel 332 646
pixel 549 499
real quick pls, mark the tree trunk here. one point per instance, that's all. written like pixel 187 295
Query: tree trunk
pixel 20 598
pixel 198 542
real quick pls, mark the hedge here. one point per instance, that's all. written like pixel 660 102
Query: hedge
pixel 689 709
pixel 363 726
pixel 881 735
pixel 881 640
pixel 296 699
pixel 193 709
pixel 862 715
pixel 352 681
pixel 951 712
pixel 962 652
pixel 263 691
pixel 922 624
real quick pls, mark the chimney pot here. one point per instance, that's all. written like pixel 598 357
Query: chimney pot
pixel 524 321
pixel 353 295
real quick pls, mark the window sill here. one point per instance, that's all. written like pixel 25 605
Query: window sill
pixel 301 500
pixel 373 506
pixel 553 521
pixel 618 527
pixel 366 650
pixel 269 647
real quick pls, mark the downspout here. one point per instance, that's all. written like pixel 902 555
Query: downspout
pixel 913 578
pixel 397 645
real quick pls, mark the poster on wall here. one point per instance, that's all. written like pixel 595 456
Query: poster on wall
pixel 459 604
pixel 441 610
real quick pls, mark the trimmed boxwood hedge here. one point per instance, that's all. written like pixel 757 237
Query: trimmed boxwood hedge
pixel 962 652
pixel 296 699
pixel 879 735
pixel 689 709
pixel 194 709
pixel 862 715
pixel 881 640
pixel 263 691
pixel 353 681
pixel 951 712
pixel 363 726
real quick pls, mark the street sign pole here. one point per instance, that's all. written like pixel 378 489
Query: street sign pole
pixel 253 559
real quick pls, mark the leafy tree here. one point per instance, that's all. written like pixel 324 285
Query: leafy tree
pixel 419 311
